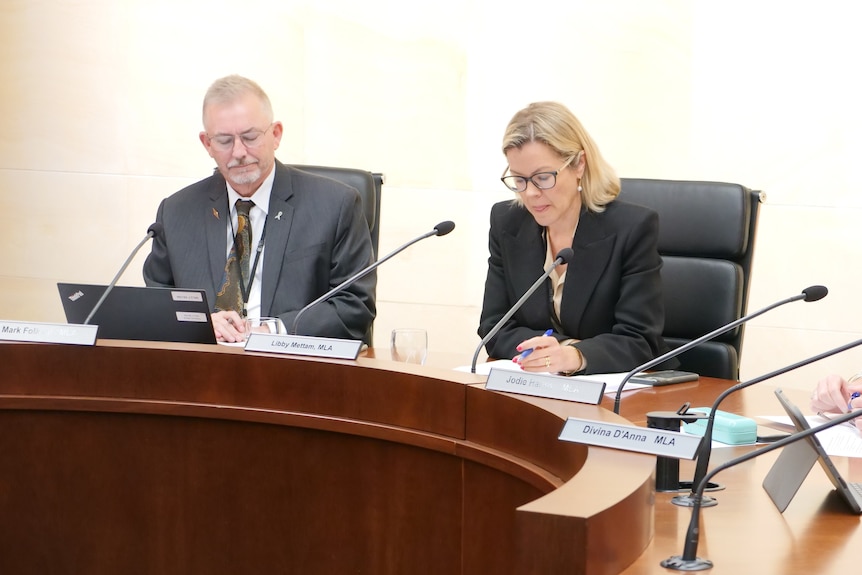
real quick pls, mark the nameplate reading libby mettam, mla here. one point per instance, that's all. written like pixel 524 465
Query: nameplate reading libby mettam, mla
pixel 546 385
pixel 631 438
pixel 72 333
pixel 303 345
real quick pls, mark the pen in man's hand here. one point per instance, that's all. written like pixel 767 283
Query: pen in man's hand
pixel 527 352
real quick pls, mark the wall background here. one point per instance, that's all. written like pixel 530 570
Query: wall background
pixel 101 111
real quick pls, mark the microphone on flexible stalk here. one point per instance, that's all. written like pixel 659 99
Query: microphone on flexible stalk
pixel 563 256
pixel 705 448
pixel 812 293
pixel 689 561
pixel 155 229
pixel 440 229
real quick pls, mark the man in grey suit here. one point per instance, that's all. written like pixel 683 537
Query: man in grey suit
pixel 308 234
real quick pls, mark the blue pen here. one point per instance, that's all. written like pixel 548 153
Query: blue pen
pixel 853 396
pixel 527 352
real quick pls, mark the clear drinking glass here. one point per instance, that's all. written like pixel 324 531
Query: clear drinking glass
pixel 264 325
pixel 409 345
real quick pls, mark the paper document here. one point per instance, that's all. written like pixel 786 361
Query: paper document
pixel 843 440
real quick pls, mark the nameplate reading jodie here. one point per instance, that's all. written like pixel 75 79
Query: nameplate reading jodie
pixel 671 444
pixel 303 345
pixel 72 333
pixel 546 385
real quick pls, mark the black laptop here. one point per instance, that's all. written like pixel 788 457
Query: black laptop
pixel 141 313
pixel 796 460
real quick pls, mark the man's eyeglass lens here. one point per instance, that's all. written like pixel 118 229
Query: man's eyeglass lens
pixel 250 139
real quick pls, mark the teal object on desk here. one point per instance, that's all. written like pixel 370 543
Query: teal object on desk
pixel 728 428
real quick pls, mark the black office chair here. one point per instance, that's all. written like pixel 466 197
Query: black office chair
pixel 706 240
pixel 369 185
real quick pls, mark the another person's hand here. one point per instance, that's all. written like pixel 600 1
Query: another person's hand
pixel 834 395
pixel 548 355
pixel 228 326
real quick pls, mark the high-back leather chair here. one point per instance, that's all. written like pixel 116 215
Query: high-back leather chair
pixel 369 186
pixel 706 239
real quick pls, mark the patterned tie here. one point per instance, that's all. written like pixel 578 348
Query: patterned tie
pixel 230 296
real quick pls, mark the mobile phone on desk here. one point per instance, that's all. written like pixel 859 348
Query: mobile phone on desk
pixel 664 377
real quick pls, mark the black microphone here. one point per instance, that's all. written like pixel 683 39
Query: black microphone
pixel 705 449
pixel 440 229
pixel 812 293
pixel 563 256
pixel 155 229
pixel 689 561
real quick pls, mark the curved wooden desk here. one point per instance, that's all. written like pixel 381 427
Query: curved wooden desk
pixel 132 457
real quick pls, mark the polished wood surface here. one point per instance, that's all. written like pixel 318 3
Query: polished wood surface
pixel 745 533
pixel 133 457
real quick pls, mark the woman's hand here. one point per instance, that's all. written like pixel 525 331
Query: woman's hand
pixel 833 394
pixel 546 354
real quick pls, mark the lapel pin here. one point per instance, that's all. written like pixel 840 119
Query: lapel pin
pixel 215 213
pixel 278 215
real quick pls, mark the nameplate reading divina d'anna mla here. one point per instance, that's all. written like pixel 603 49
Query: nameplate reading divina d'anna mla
pixel 36 332
pixel 546 385
pixel 671 444
pixel 303 345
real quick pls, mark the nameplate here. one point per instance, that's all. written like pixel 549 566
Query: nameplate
pixel 303 345
pixel 36 332
pixel 546 385
pixel 671 444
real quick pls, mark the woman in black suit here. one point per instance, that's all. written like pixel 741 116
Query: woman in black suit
pixel 605 306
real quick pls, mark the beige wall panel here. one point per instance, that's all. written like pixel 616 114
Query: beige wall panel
pixel 30 299
pixel 74 227
pixel 802 246
pixel 770 348
pixel 446 270
pixel 102 100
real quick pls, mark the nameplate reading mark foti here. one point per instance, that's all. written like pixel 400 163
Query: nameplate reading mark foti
pixel 671 444
pixel 303 345
pixel 546 385
pixel 71 333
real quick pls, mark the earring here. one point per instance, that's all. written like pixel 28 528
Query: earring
pixel 580 189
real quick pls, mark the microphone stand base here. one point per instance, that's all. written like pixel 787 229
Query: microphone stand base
pixel 677 563
pixel 688 499
pixel 688 487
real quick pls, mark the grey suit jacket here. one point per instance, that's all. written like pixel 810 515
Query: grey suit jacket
pixel 320 240
pixel 612 298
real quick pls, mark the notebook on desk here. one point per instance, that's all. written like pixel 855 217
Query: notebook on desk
pixel 796 460
pixel 141 313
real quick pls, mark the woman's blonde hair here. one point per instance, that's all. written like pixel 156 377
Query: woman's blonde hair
pixel 555 126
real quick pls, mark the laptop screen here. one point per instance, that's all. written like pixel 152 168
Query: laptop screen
pixel 141 313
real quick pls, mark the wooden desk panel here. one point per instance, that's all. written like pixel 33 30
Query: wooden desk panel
pixel 143 458
pixel 132 457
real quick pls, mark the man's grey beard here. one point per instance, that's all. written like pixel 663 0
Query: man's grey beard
pixel 246 178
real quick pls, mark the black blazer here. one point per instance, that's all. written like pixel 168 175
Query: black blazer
pixel 612 298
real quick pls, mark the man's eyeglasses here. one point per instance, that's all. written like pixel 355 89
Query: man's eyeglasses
pixel 542 180
pixel 250 139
